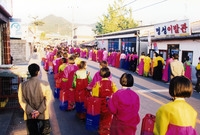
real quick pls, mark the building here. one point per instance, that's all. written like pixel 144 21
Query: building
pixel 179 37
pixel 82 34
pixel 5 14
pixel 167 38
pixel 129 40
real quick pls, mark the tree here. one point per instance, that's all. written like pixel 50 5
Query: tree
pixel 38 23
pixel 118 18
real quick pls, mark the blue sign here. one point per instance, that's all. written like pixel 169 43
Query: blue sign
pixel 15 28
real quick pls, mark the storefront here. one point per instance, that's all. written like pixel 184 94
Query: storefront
pixel 178 38
pixel 127 41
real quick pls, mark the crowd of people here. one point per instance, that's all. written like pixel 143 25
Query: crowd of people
pixel 144 65
pixel 116 110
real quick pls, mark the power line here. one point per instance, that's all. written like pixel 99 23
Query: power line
pixel 138 8
pixel 143 7
pixel 149 5
pixel 121 7
pixel 125 5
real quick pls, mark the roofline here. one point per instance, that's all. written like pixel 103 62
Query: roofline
pixel 196 36
pixel 2 9
pixel 129 31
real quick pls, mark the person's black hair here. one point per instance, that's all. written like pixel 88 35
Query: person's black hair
pixel 33 69
pixel 64 60
pixel 82 64
pixel 156 54
pixel 35 50
pixel 71 59
pixel 142 53
pixel 180 86
pixel 126 80
pixel 103 63
pixel 175 55
pixel 105 72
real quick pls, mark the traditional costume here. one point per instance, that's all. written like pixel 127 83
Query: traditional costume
pixel 104 89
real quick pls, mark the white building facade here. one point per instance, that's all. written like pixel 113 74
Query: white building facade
pixel 180 37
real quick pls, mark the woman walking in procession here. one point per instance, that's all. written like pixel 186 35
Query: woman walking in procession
pixel 104 89
pixel 124 105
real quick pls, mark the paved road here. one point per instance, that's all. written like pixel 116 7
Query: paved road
pixel 152 95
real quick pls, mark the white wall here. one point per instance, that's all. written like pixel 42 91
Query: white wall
pixel 103 44
pixel 185 45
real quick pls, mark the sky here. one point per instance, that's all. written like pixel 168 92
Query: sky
pixel 90 11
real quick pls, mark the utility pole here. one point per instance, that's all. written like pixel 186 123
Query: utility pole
pixel 73 28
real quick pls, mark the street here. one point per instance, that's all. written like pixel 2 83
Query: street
pixel 152 95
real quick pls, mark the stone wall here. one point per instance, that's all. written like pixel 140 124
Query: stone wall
pixel 18 51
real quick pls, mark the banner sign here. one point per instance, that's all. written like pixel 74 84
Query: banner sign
pixel 176 28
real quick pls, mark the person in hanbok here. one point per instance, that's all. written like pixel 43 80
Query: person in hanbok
pixel 188 69
pixel 63 65
pixel 65 55
pixel 109 58
pixel 97 77
pixel 158 67
pixel 147 65
pixel 124 104
pixel 94 55
pixel 77 50
pixel 177 117
pixel 71 51
pixel 197 85
pixel 59 84
pixel 103 89
pixel 114 55
pixel 105 54
pixel 117 60
pixel 134 59
pixel 141 64
pixel 77 59
pixel 69 71
pixel 122 59
pixel 81 53
pixel 80 82
pixel 127 62
pixel 61 77
pixel 166 71
pixel 90 54
pixel 57 62
pixel 99 55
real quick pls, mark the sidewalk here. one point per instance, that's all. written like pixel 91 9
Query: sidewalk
pixel 7 114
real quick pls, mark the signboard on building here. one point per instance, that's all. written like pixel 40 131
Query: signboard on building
pixel 176 28
pixel 15 28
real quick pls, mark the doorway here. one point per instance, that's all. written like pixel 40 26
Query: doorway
pixel 185 54
pixel 172 49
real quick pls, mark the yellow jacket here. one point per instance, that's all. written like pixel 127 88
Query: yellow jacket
pixel 35 94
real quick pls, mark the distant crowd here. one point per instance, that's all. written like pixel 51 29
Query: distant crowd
pixel 155 67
